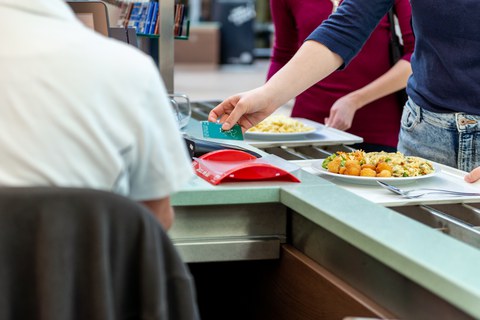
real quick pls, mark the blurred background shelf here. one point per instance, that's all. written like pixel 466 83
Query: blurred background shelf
pixel 193 64
pixel 185 35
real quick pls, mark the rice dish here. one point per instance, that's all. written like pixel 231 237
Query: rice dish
pixel 280 124
pixel 398 164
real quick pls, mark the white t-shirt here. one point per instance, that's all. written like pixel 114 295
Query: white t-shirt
pixel 78 109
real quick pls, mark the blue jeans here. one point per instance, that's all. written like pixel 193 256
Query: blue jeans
pixel 448 138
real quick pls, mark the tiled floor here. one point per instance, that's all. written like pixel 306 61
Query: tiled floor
pixel 217 83
pixel 202 83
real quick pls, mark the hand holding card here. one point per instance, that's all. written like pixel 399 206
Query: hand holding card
pixel 214 130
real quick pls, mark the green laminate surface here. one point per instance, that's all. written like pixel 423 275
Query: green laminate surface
pixel 200 192
pixel 439 263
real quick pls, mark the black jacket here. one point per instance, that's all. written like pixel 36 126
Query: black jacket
pixel 83 254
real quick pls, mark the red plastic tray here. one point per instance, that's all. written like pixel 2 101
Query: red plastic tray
pixel 235 165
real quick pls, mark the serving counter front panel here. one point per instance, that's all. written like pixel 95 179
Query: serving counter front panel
pixel 230 232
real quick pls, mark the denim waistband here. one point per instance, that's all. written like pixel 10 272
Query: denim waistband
pixel 459 121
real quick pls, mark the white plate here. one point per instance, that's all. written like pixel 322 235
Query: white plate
pixel 317 165
pixel 287 135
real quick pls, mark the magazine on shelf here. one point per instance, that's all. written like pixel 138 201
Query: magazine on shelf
pixel 178 21
pixel 154 19
pixel 144 17
pixel 135 15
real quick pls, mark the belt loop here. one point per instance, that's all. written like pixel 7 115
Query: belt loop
pixel 416 108
pixel 419 112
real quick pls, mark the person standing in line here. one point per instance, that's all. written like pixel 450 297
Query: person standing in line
pixel 441 119
pixel 360 99
pixel 82 110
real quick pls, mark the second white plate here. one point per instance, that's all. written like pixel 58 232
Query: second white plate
pixel 287 135
pixel 317 165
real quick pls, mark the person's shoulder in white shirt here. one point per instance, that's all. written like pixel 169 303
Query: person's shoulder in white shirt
pixel 83 110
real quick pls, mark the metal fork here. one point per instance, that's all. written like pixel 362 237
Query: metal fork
pixel 420 192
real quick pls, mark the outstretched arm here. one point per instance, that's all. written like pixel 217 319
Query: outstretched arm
pixel 310 64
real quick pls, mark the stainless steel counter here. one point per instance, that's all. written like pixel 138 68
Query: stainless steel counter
pixel 230 232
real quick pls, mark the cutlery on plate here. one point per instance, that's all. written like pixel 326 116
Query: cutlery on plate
pixel 420 192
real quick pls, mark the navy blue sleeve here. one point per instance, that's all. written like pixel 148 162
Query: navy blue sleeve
pixel 346 30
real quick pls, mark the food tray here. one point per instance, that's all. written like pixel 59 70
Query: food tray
pixel 235 166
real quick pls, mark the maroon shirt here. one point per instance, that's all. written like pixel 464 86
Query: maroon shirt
pixel 377 122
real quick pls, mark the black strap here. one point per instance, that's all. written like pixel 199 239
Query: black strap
pixel 396 46
pixel 396 52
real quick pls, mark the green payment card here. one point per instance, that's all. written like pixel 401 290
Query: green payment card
pixel 214 130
